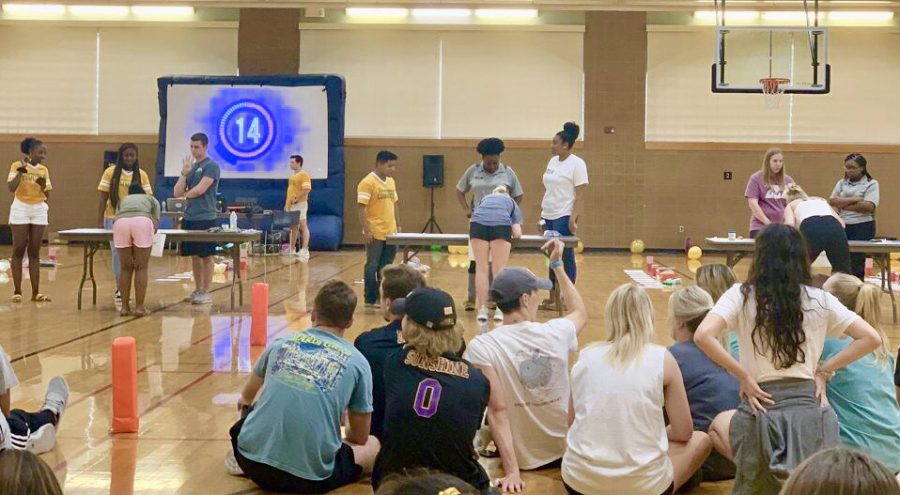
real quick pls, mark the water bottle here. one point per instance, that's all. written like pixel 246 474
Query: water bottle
pixel 232 221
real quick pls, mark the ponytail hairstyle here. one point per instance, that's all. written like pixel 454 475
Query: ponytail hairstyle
pixel 861 161
pixel 864 299
pixel 777 280
pixel 795 192
pixel 688 306
pixel 768 177
pixel 569 134
pixel 29 144
pixel 117 174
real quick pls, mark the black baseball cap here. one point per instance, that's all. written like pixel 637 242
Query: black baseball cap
pixel 427 306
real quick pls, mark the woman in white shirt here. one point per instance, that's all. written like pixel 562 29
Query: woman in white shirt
pixel 618 442
pixel 782 323
pixel 565 181
pixel 821 226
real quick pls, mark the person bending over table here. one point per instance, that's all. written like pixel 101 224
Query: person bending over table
pixel 821 226
pixel 137 219
pixel 496 221
pixel 856 198
pixel 765 192
pixel 198 184
pixel 481 179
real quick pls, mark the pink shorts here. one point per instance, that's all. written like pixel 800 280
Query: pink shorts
pixel 133 231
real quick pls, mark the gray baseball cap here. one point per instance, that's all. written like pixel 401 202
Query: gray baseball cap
pixel 511 283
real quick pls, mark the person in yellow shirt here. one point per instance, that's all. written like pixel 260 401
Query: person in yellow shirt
pixel 296 202
pixel 123 174
pixel 375 198
pixel 29 179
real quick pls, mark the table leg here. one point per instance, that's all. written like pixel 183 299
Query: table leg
pixel 405 250
pixel 236 272
pixel 557 298
pixel 93 251
pixel 886 263
pixel 87 271
pixel 84 271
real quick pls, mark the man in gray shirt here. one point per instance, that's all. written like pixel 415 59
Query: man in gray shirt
pixel 198 184
pixel 481 179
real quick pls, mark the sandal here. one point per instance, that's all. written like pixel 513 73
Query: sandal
pixel 40 298
pixel 490 451
pixel 125 312
pixel 16 298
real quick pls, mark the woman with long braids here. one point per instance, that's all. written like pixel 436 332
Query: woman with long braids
pixel 29 180
pixel 856 198
pixel 123 175
pixel 782 323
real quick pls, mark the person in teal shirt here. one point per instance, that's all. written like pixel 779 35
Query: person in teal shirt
pixel 862 394
pixel 290 439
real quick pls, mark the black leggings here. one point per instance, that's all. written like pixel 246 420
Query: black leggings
pixel 860 232
pixel 571 491
pixel 826 234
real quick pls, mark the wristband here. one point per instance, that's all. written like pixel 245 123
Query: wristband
pixel 556 264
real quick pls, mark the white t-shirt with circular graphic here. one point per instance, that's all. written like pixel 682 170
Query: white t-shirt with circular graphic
pixel 532 361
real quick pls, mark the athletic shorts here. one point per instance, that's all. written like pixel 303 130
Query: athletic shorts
pixel 199 249
pixel 490 233
pixel 133 231
pixel 346 470
pixel 298 211
pixel 21 213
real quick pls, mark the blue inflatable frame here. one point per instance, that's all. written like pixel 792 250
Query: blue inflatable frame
pixel 326 201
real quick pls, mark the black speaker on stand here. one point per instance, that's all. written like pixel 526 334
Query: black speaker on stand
pixel 432 177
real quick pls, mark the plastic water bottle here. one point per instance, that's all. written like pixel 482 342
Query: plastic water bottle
pixel 232 221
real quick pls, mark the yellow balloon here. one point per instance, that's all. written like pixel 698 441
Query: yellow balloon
pixel 637 246
pixel 694 265
pixel 579 248
pixel 895 256
pixel 695 253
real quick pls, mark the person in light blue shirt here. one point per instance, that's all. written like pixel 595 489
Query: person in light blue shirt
pixel 496 221
pixel 862 394
pixel 290 439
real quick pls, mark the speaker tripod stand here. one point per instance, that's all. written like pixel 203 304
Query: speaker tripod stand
pixel 431 225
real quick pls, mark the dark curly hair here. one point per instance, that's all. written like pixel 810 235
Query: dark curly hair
pixel 490 146
pixel 779 272
pixel 569 134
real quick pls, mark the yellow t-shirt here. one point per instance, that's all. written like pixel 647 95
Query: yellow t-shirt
pixel 124 183
pixel 298 183
pixel 379 197
pixel 29 191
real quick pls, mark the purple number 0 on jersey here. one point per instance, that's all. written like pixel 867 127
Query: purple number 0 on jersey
pixel 428 396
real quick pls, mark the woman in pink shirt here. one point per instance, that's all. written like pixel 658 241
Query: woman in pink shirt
pixel 765 192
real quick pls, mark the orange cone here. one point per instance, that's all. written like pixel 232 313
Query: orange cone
pixel 124 386
pixel 259 314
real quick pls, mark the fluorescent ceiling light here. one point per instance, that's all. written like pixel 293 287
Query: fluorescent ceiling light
pixel 441 13
pixel 377 13
pixel 162 11
pixel 506 14
pixel 33 9
pixel 790 16
pixel 98 10
pixel 850 16
pixel 730 16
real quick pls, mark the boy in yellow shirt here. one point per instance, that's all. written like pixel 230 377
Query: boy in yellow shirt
pixel 299 186
pixel 375 198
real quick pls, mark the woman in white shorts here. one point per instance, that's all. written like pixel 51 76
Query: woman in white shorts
pixel 29 180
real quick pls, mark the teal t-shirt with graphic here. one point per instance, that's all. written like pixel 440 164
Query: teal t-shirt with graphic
pixel 862 395
pixel 311 378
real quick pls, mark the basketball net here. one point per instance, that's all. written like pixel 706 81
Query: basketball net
pixel 773 88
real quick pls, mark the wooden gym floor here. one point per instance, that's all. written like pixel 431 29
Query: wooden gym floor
pixel 192 361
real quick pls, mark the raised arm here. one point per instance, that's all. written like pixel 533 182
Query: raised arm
pixel 578 315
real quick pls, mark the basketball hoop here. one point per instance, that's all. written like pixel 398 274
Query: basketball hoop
pixel 773 88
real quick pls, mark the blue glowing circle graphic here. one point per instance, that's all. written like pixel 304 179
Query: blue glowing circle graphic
pixel 247 129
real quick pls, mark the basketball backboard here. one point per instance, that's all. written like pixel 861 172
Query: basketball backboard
pixel 746 55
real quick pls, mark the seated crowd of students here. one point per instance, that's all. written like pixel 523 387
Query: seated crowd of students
pixel 763 375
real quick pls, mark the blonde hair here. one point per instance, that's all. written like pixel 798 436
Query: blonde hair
pixel 688 306
pixel 715 279
pixel 795 192
pixel 629 323
pixel 865 300
pixel 768 177
pixel 838 471
pixel 501 189
pixel 431 343
pixel 23 472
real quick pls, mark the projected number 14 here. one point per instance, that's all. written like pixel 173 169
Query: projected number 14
pixel 247 129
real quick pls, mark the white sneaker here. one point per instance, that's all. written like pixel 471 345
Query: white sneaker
pixel 57 397
pixel 118 297
pixel 498 315
pixel 202 298
pixel 191 297
pixel 42 440
pixel 303 255
pixel 482 315
pixel 231 464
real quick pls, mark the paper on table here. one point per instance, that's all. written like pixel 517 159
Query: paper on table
pixel 159 245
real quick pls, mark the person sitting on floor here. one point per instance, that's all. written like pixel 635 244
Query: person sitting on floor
pixel 377 344
pixel 289 440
